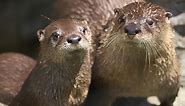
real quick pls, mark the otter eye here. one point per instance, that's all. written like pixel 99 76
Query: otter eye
pixel 121 19
pixel 150 21
pixel 55 36
pixel 83 30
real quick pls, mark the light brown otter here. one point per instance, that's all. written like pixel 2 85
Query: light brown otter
pixel 62 74
pixel 137 58
pixel 14 69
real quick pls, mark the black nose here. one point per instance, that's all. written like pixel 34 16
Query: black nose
pixel 74 39
pixel 132 29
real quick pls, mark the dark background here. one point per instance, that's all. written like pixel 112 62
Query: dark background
pixel 19 22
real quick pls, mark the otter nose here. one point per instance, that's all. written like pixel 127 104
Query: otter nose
pixel 74 39
pixel 132 29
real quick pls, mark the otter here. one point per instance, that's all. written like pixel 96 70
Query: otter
pixel 62 74
pixel 137 57
pixel 14 69
pixel 97 13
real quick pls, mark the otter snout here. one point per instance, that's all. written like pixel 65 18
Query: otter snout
pixel 74 39
pixel 132 29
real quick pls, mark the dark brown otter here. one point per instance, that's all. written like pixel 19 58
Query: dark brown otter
pixel 14 69
pixel 62 74
pixel 137 58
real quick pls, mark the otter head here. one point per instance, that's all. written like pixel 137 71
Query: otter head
pixel 139 22
pixel 64 37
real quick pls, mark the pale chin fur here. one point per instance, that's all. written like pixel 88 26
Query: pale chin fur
pixel 124 39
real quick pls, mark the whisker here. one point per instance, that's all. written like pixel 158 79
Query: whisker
pixel 152 48
pixel 157 49
pixel 146 56
pixel 110 40
pixel 167 47
pixel 148 53
pixel 46 17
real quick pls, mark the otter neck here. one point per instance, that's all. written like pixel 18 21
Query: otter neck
pixel 134 58
pixel 68 64
pixel 50 82
pixel 126 56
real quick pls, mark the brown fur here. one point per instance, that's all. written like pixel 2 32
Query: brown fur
pixel 14 69
pixel 141 67
pixel 96 12
pixel 62 75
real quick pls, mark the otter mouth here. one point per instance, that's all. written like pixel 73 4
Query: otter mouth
pixel 138 42
pixel 135 39
pixel 77 51
pixel 135 42
pixel 76 47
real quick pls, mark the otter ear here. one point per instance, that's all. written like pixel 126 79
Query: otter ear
pixel 117 11
pixel 84 22
pixel 40 34
pixel 168 15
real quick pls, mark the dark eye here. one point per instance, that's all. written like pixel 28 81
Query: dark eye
pixel 83 30
pixel 121 19
pixel 55 36
pixel 150 21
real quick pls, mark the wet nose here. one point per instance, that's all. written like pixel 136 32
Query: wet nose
pixel 74 39
pixel 132 29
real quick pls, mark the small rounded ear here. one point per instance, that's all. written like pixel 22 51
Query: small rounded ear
pixel 168 15
pixel 85 22
pixel 40 34
pixel 117 11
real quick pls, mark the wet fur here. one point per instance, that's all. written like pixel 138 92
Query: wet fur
pixel 62 75
pixel 96 12
pixel 140 67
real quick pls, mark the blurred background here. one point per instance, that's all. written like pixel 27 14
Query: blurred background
pixel 19 22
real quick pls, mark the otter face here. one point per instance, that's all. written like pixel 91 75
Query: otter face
pixel 141 21
pixel 65 35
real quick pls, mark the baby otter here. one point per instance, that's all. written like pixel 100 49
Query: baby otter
pixel 137 58
pixel 62 74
